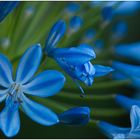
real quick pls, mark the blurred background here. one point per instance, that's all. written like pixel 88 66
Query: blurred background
pixel 31 22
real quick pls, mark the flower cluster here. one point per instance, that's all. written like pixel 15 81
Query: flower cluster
pixel 78 45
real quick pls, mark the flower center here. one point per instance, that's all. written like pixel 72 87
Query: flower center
pixel 14 93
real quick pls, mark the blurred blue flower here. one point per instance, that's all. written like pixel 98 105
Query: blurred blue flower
pixel 98 44
pixel 75 116
pixel 6 7
pixel 56 33
pixel 126 102
pixel 120 29
pixel 116 132
pixel 130 51
pixel 130 71
pixel 45 84
pixel 72 8
pixel 90 33
pixel 75 23
pixel 107 13
pixel 118 76
pixel 130 7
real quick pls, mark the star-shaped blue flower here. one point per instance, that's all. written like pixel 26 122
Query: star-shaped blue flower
pixel 14 91
pixel 116 132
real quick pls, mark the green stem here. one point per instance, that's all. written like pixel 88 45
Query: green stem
pixel 76 96
pixel 95 112
pixel 101 85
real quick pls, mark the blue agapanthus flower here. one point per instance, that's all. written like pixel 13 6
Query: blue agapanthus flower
pixel 14 91
pixel 75 61
pixel 6 7
pixel 75 116
pixel 130 51
pixel 116 132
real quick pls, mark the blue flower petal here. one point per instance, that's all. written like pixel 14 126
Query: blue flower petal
pixel 112 131
pixel 88 49
pixel 120 136
pixel 130 51
pixel 74 56
pixel 90 72
pixel 135 120
pixel 134 135
pixel 10 120
pixel 85 73
pixel 75 116
pixel 6 7
pixel 47 83
pixel 3 94
pixel 55 35
pixel 127 69
pixel 126 102
pixel 38 113
pixel 5 72
pixel 28 64
pixel 101 70
pixel 2 97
